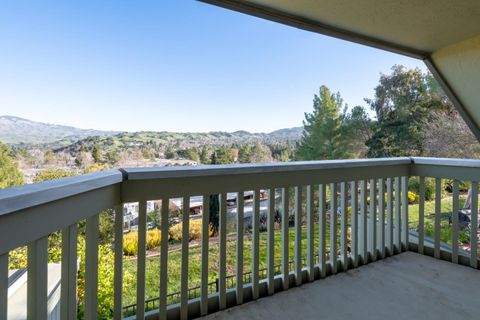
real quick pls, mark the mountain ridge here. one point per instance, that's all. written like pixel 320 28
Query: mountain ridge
pixel 20 131
pixel 16 130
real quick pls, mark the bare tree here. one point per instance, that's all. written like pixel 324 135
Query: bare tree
pixel 447 135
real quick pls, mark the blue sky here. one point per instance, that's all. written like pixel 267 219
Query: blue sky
pixel 176 65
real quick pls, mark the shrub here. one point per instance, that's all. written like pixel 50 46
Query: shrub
pixel 18 257
pixel 154 217
pixel 95 167
pixel 130 241
pixel 414 186
pixel 176 232
pixel 154 238
pixel 52 174
pixel 463 186
pixel 412 197
pixel 106 258
pixel 194 232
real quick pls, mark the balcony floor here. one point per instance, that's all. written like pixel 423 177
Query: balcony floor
pixel 406 286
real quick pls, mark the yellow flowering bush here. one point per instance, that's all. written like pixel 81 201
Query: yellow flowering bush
pixel 194 232
pixel 130 241
pixel 412 197
pixel 154 238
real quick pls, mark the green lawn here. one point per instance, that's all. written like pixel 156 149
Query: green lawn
pixel 445 227
pixel 174 263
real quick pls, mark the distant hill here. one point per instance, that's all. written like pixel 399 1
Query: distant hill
pixel 18 131
pixel 294 133
pixel 183 140
pixel 15 130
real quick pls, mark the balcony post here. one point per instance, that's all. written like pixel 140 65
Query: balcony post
pixel 118 269
pixel 3 286
pixel 205 240
pixel 474 226
pixel 398 217
pixel 421 215
pixel 322 229
pixel 37 279
pixel 405 213
pixel 298 236
pixel 91 267
pixel 372 219
pixel 240 236
pixel 68 301
pixel 271 241
pixel 333 227
pixel 285 237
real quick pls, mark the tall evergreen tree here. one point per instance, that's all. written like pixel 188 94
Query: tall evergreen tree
pixel 214 216
pixel 358 129
pixel 222 155
pixel 324 137
pixel 213 158
pixel 244 153
pixel 204 155
pixel 96 154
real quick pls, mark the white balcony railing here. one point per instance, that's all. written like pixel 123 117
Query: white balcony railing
pixel 379 228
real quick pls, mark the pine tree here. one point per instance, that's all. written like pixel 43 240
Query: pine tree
pixel 213 158
pixel 214 216
pixel 244 154
pixel 223 155
pixel 96 154
pixel 358 130
pixel 204 155
pixel 324 136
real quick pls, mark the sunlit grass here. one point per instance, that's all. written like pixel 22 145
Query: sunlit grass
pixel 445 227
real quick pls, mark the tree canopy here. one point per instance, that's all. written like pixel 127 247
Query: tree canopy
pixel 403 103
pixel 413 117
pixel 222 155
pixel 253 154
pixel 10 175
